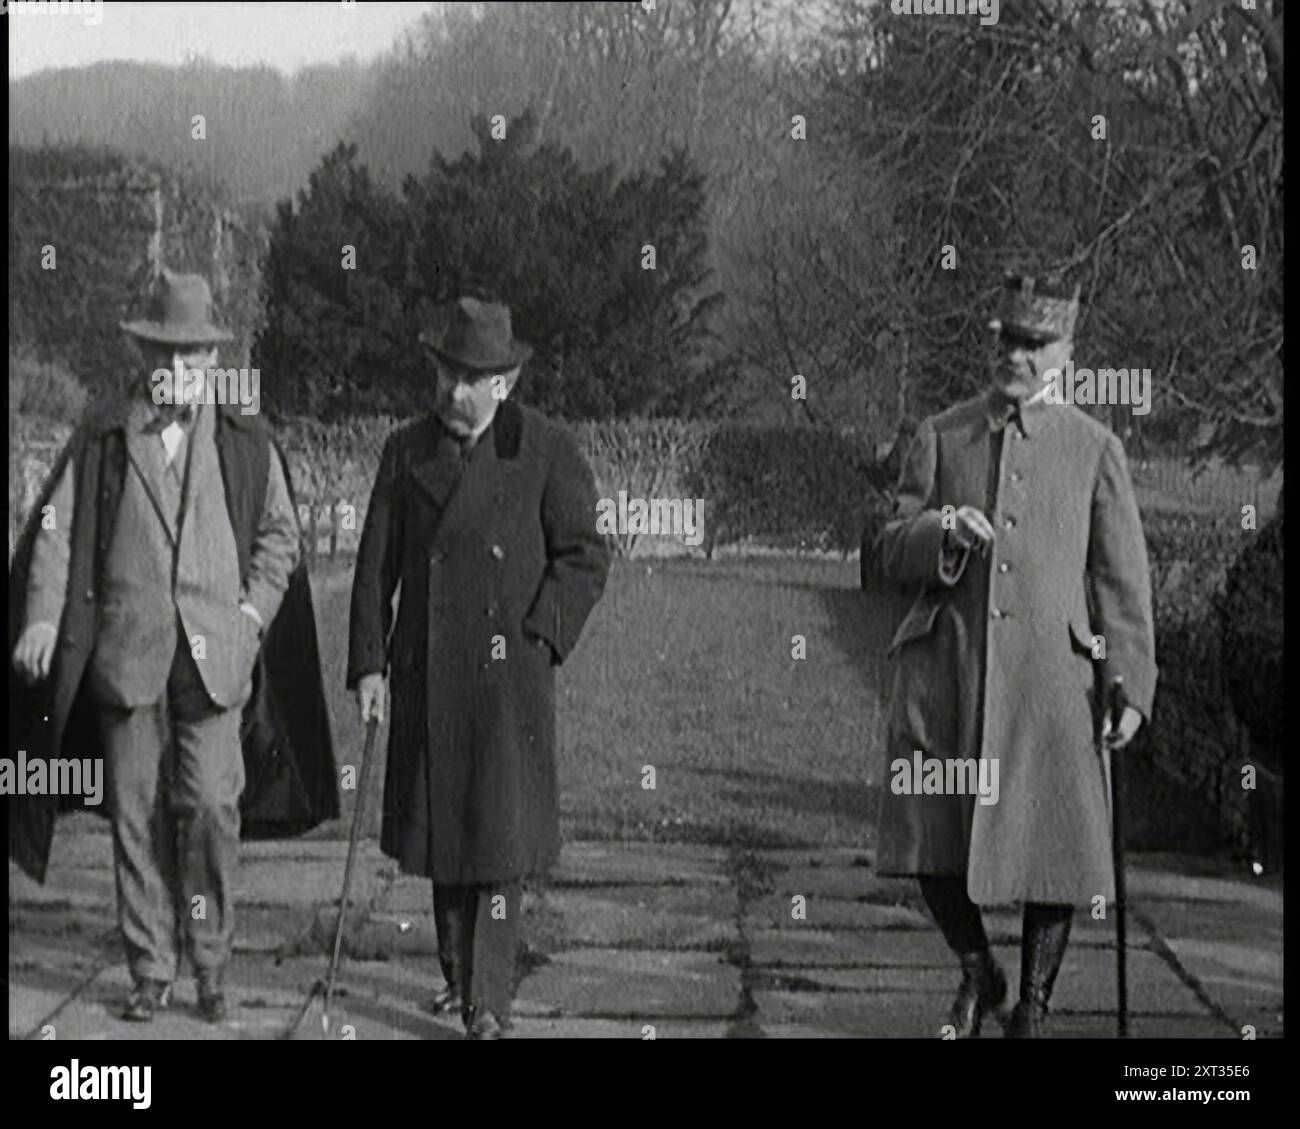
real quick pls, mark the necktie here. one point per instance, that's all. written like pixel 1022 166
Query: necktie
pixel 1003 412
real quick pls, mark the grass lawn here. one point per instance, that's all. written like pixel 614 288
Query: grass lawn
pixel 686 666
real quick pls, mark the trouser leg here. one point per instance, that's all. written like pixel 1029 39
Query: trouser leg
pixel 956 915
pixel 983 986
pixel 478 943
pixel 208 782
pixel 452 909
pixel 138 756
pixel 495 949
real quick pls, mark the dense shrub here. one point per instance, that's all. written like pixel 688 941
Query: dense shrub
pixel 1195 733
pixel 43 389
pixel 789 487
pixel 111 221
pixel 1252 627
pixel 647 458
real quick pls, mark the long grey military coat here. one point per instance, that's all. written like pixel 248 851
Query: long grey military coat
pixel 500 565
pixel 1001 656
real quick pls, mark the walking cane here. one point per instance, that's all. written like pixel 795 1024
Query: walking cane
pixel 1116 700
pixel 372 727
pixel 326 987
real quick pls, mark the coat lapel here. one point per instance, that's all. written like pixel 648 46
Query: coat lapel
pixel 453 486
pixel 438 474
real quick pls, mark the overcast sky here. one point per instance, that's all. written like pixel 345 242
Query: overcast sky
pixel 284 36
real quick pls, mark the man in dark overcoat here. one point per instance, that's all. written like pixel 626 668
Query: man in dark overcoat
pixel 162 631
pixel 1018 535
pixel 485 512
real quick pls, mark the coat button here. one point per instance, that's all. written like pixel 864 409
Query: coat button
pixel 437 557
pixel 995 613
pixel 1015 476
pixel 497 552
pixel 1010 523
pixel 90 594
pixel 1004 567
pixel 491 610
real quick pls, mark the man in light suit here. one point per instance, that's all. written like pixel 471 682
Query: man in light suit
pixel 166 546
pixel 1018 537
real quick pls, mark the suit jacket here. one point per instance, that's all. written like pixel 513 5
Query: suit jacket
pixel 288 755
pixel 499 565
pixel 1002 656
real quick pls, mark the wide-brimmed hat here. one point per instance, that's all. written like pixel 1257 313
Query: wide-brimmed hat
pixel 1039 309
pixel 179 313
pixel 476 335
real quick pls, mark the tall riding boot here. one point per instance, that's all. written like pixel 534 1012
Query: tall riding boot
pixel 1042 947
pixel 983 989
pixel 983 984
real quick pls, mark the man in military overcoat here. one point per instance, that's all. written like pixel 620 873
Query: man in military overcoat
pixel 1018 534
pixel 485 512
pixel 161 626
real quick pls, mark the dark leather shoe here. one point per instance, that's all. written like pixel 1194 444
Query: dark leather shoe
pixel 446 1002
pixel 148 997
pixel 487 1026
pixel 212 1000
pixel 983 989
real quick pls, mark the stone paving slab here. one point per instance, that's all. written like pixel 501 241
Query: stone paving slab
pixel 30 1007
pixel 891 979
pixel 569 1028
pixel 629 935
pixel 1245 981
pixel 1087 983
pixel 638 985
pixel 385 936
pixel 852 883
pixel 309 882
pixel 667 918
pixel 269 929
pixel 80 887
pixel 646 864
pixel 793 948
pixel 788 858
pixel 59 919
pixel 903 1013
pixel 775 911
pixel 95 1014
pixel 82 840
pixel 405 893
pixel 1150 883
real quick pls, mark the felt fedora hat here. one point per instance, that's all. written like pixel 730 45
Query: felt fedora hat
pixel 1040 310
pixel 476 335
pixel 179 313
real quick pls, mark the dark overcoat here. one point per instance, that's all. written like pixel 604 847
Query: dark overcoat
pixel 499 565
pixel 1003 657
pixel 290 782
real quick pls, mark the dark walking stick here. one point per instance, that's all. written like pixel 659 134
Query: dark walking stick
pixel 1116 701
pixel 372 726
